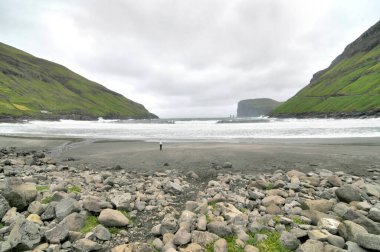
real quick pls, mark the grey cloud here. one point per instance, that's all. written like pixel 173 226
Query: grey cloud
pixel 191 57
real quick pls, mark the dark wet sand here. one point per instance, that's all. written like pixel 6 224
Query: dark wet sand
pixel 353 155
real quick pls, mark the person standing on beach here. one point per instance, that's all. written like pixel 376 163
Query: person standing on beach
pixel 160 145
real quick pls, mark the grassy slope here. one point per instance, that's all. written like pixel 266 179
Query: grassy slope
pixel 350 85
pixel 29 85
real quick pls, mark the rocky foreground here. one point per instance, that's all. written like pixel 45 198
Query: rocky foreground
pixel 45 206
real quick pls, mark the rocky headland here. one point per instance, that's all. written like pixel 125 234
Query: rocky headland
pixel 48 206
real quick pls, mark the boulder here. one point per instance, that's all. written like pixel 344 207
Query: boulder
pixel 173 188
pixel 169 225
pixel 350 230
pixel 122 201
pixel 66 207
pixel 102 233
pixel 348 193
pixel 203 238
pixel 182 237
pixel 334 180
pixel 321 205
pixel 86 245
pixel 372 190
pixel 112 218
pixel 273 199
pixel 24 235
pixel 57 234
pixel 315 216
pixel 219 228
pixel 369 241
pixel 73 222
pixel 95 204
pixel 192 247
pixel 19 194
pixel 310 245
pixel 289 240
pixel 4 206
pixel 329 224
pixel 36 208
pixel 220 245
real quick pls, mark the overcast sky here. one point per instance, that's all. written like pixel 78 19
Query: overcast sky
pixel 189 58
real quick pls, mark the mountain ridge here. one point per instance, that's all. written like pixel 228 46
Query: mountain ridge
pixel 35 88
pixel 349 87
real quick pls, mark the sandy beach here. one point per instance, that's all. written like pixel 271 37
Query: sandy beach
pixel 353 155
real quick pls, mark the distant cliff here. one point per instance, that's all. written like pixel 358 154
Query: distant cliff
pixel 34 88
pixel 256 107
pixel 349 87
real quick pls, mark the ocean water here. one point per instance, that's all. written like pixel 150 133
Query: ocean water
pixel 197 129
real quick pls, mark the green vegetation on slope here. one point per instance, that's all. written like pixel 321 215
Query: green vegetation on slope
pixel 36 88
pixel 350 86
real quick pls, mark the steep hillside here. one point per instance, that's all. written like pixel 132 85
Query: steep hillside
pixel 31 87
pixel 256 107
pixel 349 87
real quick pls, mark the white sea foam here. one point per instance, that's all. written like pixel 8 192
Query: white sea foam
pixel 198 129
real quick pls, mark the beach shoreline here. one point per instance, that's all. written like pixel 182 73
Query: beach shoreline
pixel 352 155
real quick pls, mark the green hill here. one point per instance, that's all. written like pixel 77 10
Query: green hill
pixel 256 107
pixel 31 87
pixel 349 87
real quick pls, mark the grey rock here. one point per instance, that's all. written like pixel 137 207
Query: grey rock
pixel 348 193
pixel 95 204
pixel 122 201
pixel 315 216
pixel 173 188
pixel 220 245
pixel 311 246
pixel 140 205
pixel 227 165
pixel 5 246
pixel 320 205
pixel 219 228
pixel 336 241
pixel 57 234
pixel 74 221
pixel 350 230
pixel 182 237
pixel 374 214
pixel 4 206
pixel 102 233
pixel 24 235
pixel 319 235
pixel 74 236
pixel 354 247
pixel 85 245
pixel 36 208
pixel 49 212
pixel 11 216
pixel 329 224
pixel 371 226
pixel 66 207
pixel 112 218
pixel 168 225
pixel 372 190
pixel 289 240
pixel 341 209
pixel 18 193
pixel 203 238
pixel 158 244
pixel 202 223
pixel 334 180
pixel 369 241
